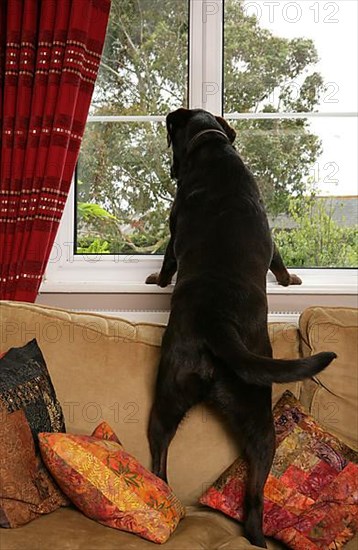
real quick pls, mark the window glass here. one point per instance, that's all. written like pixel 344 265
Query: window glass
pixel 290 91
pixel 145 60
pixel 123 186
pixel 124 192
pixel 298 57
pixel 295 56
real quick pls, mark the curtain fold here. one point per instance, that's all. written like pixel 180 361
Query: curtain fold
pixel 49 59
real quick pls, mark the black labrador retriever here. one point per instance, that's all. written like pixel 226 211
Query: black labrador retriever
pixel 216 346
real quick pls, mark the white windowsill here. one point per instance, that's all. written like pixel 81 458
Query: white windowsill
pixel 315 281
pixel 104 287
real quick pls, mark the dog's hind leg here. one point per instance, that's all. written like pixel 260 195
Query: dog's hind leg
pixel 249 414
pixel 259 448
pixel 163 424
pixel 171 404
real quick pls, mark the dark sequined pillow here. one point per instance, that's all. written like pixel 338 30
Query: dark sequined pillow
pixel 25 384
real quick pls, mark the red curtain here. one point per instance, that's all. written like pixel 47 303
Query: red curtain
pixel 50 53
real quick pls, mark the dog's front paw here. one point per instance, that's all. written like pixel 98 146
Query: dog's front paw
pixel 295 280
pixel 287 279
pixel 152 279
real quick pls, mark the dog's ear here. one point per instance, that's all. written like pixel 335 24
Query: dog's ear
pixel 175 120
pixel 229 131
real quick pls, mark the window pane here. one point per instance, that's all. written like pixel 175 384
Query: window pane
pixel 125 193
pixel 305 181
pixel 124 190
pixel 298 57
pixel 290 56
pixel 145 60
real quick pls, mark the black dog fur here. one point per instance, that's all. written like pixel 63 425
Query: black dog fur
pixel 216 346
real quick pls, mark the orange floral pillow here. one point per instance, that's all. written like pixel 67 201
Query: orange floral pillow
pixel 109 485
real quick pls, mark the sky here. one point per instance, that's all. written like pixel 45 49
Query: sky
pixel 333 28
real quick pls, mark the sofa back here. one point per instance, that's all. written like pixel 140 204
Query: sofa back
pixel 332 397
pixel 104 368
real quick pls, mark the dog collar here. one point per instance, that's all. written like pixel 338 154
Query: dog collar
pixel 193 142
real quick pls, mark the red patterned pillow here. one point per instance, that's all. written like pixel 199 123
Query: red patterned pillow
pixel 109 485
pixel 311 494
pixel 27 490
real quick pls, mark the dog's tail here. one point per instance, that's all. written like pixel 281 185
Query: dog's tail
pixel 264 371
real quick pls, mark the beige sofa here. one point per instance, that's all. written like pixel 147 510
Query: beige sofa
pixel 104 368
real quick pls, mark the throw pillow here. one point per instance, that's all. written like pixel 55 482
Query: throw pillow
pixel 26 488
pixel 26 384
pixel 311 494
pixel 109 485
pixel 104 431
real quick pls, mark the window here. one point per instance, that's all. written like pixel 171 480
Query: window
pixel 123 189
pixel 280 79
pixel 300 140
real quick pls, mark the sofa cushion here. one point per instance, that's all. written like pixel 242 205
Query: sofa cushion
pixel 109 485
pixel 68 529
pixel 285 345
pixel 311 494
pixel 333 397
pixel 104 368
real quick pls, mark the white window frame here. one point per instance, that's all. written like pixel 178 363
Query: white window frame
pixel 105 273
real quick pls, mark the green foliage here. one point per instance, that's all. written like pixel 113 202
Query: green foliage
pixel 125 192
pixel 93 245
pixel 90 211
pixel 280 154
pixel 317 240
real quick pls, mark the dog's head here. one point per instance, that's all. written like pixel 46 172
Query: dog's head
pixel 184 124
